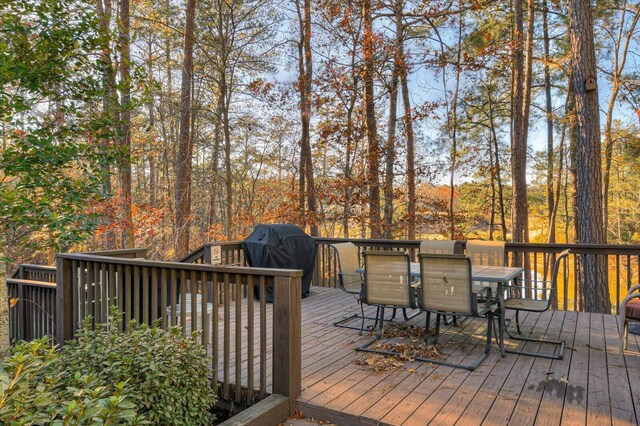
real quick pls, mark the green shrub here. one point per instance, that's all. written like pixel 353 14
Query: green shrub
pixel 166 371
pixel 35 390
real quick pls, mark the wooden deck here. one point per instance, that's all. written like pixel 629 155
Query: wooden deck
pixel 590 386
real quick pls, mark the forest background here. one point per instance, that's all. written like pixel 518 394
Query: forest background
pixel 167 124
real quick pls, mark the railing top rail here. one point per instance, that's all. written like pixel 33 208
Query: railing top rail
pixel 195 254
pixel 537 247
pixel 185 266
pixel 18 281
pixel 38 267
pixel 121 252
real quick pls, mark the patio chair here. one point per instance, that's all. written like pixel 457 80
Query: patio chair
pixel 349 280
pixel 441 247
pixel 486 253
pixel 629 312
pixel 446 289
pixel 387 282
pixel 543 293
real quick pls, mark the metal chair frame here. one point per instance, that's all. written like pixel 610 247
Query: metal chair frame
pixel 342 278
pixel 632 293
pixel 536 305
pixel 424 304
pixel 368 277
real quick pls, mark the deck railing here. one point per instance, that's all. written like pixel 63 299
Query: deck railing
pixel 33 308
pixel 233 330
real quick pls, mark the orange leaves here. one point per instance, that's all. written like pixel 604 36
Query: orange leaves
pixel 13 302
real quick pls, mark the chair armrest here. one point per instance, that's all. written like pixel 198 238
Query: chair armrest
pixel 630 295
pixel 634 288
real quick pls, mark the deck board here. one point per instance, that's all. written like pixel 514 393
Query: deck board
pixel 591 385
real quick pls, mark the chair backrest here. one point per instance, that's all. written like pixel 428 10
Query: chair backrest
pixel 348 261
pixel 445 283
pixel 386 278
pixel 438 247
pixel 563 256
pixel 486 253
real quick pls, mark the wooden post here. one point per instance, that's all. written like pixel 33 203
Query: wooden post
pixel 287 352
pixel 64 300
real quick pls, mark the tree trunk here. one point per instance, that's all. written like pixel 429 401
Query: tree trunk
pixel 124 172
pixel 305 78
pixel 109 105
pixel 522 73
pixel 390 149
pixel 549 111
pixel 411 167
pixel 589 162
pixel 498 168
pixel 453 128
pixel 185 143
pixel 373 148
pixel 215 160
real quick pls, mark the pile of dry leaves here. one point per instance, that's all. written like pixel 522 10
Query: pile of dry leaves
pixel 408 345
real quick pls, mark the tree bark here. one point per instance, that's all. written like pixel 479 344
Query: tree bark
pixel 522 75
pixel 124 172
pixel 373 148
pixel 305 78
pixel 411 167
pixel 185 143
pixel 390 149
pixel 549 111
pixel 109 105
pixel 588 158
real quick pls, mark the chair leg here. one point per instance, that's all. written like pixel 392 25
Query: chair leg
pixel 408 317
pixel 622 344
pixel 426 328
pixel 556 355
pixel 478 361
pixel 437 336
pixel 364 347
pixel 625 332
pixel 362 317
pixel 518 322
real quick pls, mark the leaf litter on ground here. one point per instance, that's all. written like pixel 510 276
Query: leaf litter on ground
pixel 409 346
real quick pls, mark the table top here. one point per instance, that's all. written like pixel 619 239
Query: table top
pixel 494 274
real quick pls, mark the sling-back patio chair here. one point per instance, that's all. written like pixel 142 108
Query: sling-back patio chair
pixel 629 312
pixel 441 247
pixel 350 281
pixel 542 294
pixel 387 284
pixel 446 289
pixel 486 253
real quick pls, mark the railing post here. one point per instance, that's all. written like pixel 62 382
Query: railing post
pixel 64 300
pixel 287 352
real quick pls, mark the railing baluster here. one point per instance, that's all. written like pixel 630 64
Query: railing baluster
pixel 215 288
pixel 238 338
pixel 250 341
pixel 136 294
pixel 226 336
pixel 263 337
pixel 145 296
